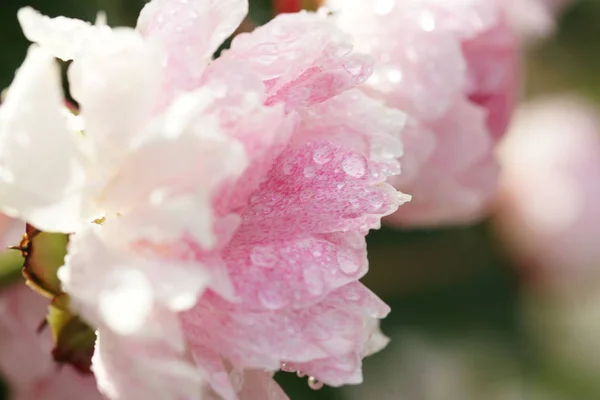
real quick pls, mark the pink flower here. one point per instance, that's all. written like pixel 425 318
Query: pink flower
pixel 548 213
pixel 452 66
pixel 25 360
pixel 536 19
pixel 236 195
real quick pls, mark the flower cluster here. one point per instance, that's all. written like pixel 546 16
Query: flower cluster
pixel 217 210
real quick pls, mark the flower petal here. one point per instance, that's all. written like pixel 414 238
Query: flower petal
pixel 260 385
pixel 116 80
pixel 128 369
pixel 191 31
pixel 33 126
pixel 302 58
pixel 263 339
pixel 62 37
pixel 127 289
pixel 190 156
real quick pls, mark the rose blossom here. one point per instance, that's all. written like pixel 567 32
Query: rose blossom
pixel 235 195
pixel 548 209
pixel 452 67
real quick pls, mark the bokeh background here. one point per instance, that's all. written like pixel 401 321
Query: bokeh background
pixel 467 321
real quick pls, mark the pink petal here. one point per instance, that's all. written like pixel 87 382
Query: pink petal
pixel 130 369
pixel 453 185
pixel 190 31
pixel 25 355
pixel 264 339
pixel 450 66
pixel 301 58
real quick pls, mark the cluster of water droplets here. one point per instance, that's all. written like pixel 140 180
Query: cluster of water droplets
pixel 313 382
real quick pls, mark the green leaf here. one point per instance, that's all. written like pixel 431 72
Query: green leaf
pixel 74 339
pixel 44 254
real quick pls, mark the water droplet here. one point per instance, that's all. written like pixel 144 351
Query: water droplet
pixel 263 256
pixel 347 261
pixel 287 368
pixel 342 48
pixel 310 171
pixel 287 167
pixel 266 210
pixel 272 299
pixel 323 154
pixel 314 384
pixel 354 165
pixel 354 67
pixel 300 374
pixel 383 7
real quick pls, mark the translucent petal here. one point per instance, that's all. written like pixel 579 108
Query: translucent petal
pixel 62 37
pixel 191 31
pixel 40 164
pixel 116 80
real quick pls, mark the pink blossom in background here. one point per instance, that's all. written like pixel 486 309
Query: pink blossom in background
pixel 11 231
pixel 548 212
pixel 536 19
pixel 453 68
pixel 236 195
pixel 25 360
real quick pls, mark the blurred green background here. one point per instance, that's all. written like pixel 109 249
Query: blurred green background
pixel 458 303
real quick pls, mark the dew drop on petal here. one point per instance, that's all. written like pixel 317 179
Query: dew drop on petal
pixel 354 67
pixel 310 171
pixel 272 299
pixel 314 384
pixel 354 165
pixel 286 368
pixel 287 167
pixel 347 261
pixel 263 256
pixel 300 374
pixel 323 154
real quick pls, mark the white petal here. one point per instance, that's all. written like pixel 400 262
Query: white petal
pixel 176 169
pixel 116 80
pixel 127 301
pixel 40 171
pixel 191 30
pixel 62 37
pixel 134 289
pixel 126 370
